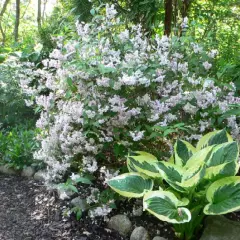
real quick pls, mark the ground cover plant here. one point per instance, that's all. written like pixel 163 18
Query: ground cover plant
pixel 196 182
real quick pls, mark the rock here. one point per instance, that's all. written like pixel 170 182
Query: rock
pixel 140 233
pixel 80 203
pixel 39 176
pixel 28 172
pixel 120 223
pixel 159 238
pixel 220 228
pixel 6 170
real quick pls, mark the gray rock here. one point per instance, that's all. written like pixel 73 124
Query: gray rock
pixel 6 170
pixel 28 172
pixel 120 223
pixel 140 233
pixel 39 176
pixel 80 203
pixel 159 238
pixel 220 228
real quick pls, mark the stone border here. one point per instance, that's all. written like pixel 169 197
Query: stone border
pixel 28 172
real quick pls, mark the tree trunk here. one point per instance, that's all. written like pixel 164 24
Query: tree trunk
pixel 39 14
pixel 4 7
pixel 16 28
pixel 44 10
pixel 168 17
pixel 186 6
pixel 1 15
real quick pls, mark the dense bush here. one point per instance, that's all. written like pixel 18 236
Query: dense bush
pixel 17 146
pixel 112 89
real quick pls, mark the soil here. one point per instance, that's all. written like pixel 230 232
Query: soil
pixel 28 211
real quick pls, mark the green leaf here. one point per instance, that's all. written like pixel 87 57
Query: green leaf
pixel 199 158
pixel 182 152
pixel 143 162
pixel 131 184
pixel 92 11
pixel 223 196
pixel 216 137
pixel 83 180
pixel 170 171
pixel 223 161
pixel 79 214
pixel 193 175
pixel 72 188
pixel 104 69
pixel 166 207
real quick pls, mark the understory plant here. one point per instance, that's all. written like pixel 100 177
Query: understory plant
pixel 196 181
pixel 17 146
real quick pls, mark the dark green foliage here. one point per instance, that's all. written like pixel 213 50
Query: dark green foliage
pixel 17 146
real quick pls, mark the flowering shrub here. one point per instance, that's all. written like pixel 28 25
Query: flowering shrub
pixel 112 88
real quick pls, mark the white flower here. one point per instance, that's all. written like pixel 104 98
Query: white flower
pixel 110 11
pixel 184 22
pixel 213 53
pixel 124 36
pixel 207 65
pixel 89 164
pixel 189 108
pixel 74 176
pixel 136 136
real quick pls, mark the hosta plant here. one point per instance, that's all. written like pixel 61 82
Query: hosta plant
pixel 196 181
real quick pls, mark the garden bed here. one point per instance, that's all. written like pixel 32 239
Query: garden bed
pixel 29 211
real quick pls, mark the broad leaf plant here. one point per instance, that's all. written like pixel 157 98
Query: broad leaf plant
pixel 196 181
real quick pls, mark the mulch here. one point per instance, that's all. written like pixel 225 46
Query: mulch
pixel 28 211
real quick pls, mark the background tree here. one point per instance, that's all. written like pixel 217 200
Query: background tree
pixel 17 21
pixel 4 7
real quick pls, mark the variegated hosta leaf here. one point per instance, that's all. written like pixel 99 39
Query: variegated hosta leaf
pixel 170 171
pixel 131 184
pixel 143 162
pixel 165 206
pixel 192 176
pixel 182 152
pixel 223 161
pixel 223 170
pixel 216 137
pixel 223 196
pixel 172 174
pixel 199 158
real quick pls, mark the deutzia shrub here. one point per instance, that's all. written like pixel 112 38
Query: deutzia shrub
pixel 112 88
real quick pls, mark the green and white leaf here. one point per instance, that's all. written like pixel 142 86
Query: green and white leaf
pixel 212 138
pixel 182 152
pixel 172 174
pixel 223 161
pixel 131 184
pixel 199 158
pixel 143 162
pixel 170 171
pixel 192 176
pixel 223 170
pixel 223 196
pixel 166 207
